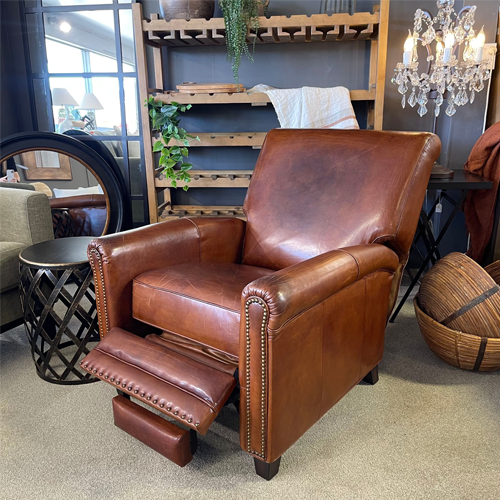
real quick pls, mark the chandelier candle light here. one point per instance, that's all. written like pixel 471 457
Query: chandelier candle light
pixel 461 79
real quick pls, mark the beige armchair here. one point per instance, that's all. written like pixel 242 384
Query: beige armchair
pixel 25 219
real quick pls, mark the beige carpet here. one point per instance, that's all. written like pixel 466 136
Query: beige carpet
pixel 426 430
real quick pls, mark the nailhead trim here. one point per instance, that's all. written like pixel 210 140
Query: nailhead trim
pixel 261 303
pixel 184 416
pixel 100 277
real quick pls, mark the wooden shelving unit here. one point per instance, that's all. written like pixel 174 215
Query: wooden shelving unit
pixel 366 27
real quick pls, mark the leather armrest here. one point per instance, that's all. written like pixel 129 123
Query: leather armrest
pixel 308 334
pixel 118 258
pixel 295 289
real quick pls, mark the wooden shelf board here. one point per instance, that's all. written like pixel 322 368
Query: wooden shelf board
pixel 252 139
pixel 211 179
pixel 240 97
pixel 178 211
pixel 316 20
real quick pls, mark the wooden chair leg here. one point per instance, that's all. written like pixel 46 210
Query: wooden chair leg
pixel 266 470
pixel 372 376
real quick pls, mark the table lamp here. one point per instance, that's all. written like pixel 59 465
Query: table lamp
pixel 61 97
pixel 90 103
pixel 446 75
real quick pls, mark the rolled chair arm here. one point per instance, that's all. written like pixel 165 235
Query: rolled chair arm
pixel 118 258
pixel 295 289
pixel 308 333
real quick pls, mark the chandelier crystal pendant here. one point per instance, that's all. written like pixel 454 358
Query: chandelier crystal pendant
pixel 454 37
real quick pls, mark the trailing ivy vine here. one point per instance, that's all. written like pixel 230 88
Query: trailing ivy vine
pixel 165 119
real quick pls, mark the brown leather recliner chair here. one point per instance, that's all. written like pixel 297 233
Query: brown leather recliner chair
pixel 282 314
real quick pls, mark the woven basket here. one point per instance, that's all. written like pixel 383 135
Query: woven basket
pixel 459 349
pixel 458 293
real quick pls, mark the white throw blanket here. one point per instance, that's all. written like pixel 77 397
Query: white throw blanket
pixel 311 107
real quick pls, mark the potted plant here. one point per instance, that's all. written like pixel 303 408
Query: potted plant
pixel 165 120
pixel 239 17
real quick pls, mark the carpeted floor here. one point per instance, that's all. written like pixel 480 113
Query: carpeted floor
pixel 425 431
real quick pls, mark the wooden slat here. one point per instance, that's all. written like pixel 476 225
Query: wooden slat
pixel 211 179
pixel 381 64
pixel 347 33
pixel 178 211
pixel 241 97
pixel 359 18
pixel 252 139
pixel 140 56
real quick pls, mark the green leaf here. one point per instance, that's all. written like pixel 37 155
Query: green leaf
pixel 185 187
pixel 175 150
pixel 186 142
pixel 170 162
pixel 177 157
pixel 157 147
pixel 186 166
pixel 184 151
pixel 174 183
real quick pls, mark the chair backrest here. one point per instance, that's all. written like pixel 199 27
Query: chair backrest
pixel 316 190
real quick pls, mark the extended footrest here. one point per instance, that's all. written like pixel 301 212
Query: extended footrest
pixel 174 443
pixel 181 387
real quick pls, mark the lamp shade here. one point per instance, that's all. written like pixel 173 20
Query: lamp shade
pixel 61 97
pixel 90 101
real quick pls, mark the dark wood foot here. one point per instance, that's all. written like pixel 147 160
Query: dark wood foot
pixel 372 376
pixel 266 470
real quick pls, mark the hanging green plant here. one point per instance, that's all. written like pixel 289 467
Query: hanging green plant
pixel 165 119
pixel 239 17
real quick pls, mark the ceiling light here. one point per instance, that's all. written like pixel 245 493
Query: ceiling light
pixel 65 27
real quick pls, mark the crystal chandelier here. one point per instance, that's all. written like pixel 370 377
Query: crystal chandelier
pixel 454 35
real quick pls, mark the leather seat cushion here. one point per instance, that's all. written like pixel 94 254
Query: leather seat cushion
pixel 200 301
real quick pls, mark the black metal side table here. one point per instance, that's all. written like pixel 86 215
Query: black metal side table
pixel 58 301
pixel 462 181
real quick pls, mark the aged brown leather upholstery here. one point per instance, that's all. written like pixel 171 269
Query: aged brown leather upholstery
pixel 88 213
pixel 297 297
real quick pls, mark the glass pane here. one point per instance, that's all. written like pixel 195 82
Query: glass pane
pixel 30 4
pixel 62 58
pixel 131 109
pixel 67 94
pixel 127 38
pixel 34 42
pixel 124 1
pixel 138 211
pixel 134 165
pixel 102 64
pixel 92 33
pixel 41 99
pixel 108 119
pixel 58 3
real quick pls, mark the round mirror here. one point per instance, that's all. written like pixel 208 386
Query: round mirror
pixel 86 196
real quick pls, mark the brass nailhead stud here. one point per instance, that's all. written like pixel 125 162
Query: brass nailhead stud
pixel 106 376
pixel 155 401
pixel 112 379
pixel 136 391
pixel 124 385
pixel 149 398
pixel 190 420
pixel 143 394
pixel 86 365
pixel 117 382
pixel 130 388
pixel 176 412
pixel 183 416
pixel 95 371
pixel 162 405
pixel 100 374
pixel 197 424
pixel 169 408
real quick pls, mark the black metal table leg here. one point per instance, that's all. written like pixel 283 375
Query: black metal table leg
pixel 431 243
